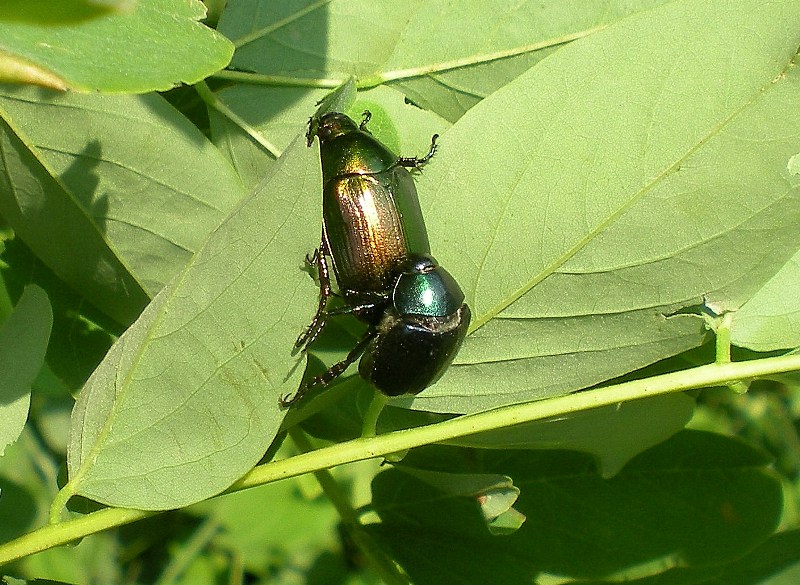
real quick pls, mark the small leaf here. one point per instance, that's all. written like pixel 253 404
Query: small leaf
pixel 187 400
pixel 107 53
pixel 579 524
pixel 770 320
pixel 23 341
pixel 118 199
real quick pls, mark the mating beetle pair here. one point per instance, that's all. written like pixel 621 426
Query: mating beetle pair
pixel 374 233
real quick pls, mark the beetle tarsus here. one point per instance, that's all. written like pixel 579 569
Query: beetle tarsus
pixel 415 162
pixel 367 117
pixel 325 292
pixel 331 373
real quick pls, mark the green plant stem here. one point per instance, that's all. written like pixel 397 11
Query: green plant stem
pixel 722 340
pixel 370 425
pixel 195 545
pixel 212 101
pixel 722 346
pixel 382 564
pixel 398 74
pixel 53 535
pixel 366 448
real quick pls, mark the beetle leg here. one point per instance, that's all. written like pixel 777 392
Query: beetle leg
pixel 331 373
pixel 367 117
pixel 357 310
pixel 325 292
pixel 419 162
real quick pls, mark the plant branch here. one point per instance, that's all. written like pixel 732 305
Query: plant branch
pixel 398 74
pixel 212 101
pixel 382 564
pixel 367 448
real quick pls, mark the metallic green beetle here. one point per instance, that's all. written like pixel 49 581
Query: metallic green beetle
pixel 374 232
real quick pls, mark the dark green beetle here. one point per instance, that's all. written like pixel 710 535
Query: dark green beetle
pixel 374 232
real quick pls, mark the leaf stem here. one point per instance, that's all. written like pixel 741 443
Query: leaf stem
pixel 367 448
pixel 721 326
pixel 398 74
pixel 413 72
pixel 212 101
pixel 382 564
pixel 370 424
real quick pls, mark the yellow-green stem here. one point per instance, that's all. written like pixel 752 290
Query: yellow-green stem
pixel 382 564
pixel 366 448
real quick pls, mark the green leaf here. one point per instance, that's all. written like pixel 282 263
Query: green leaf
pixel 60 11
pixel 612 434
pixel 81 334
pixel 596 195
pixel 144 46
pixel 443 34
pixel 441 54
pixel 118 199
pixel 187 400
pixel 771 318
pixel 579 524
pixel 23 341
pixel 774 562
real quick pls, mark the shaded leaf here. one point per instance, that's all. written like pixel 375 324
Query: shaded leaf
pixel 23 341
pixel 145 46
pixel 699 499
pixel 187 400
pixel 81 334
pixel 775 562
pixel 60 11
pixel 116 201
pixel 613 434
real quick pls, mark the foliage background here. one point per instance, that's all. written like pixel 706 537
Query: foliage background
pixel 616 181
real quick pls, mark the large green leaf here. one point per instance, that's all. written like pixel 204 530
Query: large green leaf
pixel 117 200
pixel 60 11
pixel 23 340
pixel 771 319
pixel 274 39
pixel 698 499
pixel 187 400
pixel 593 197
pixel 442 54
pixel 775 562
pixel 146 45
